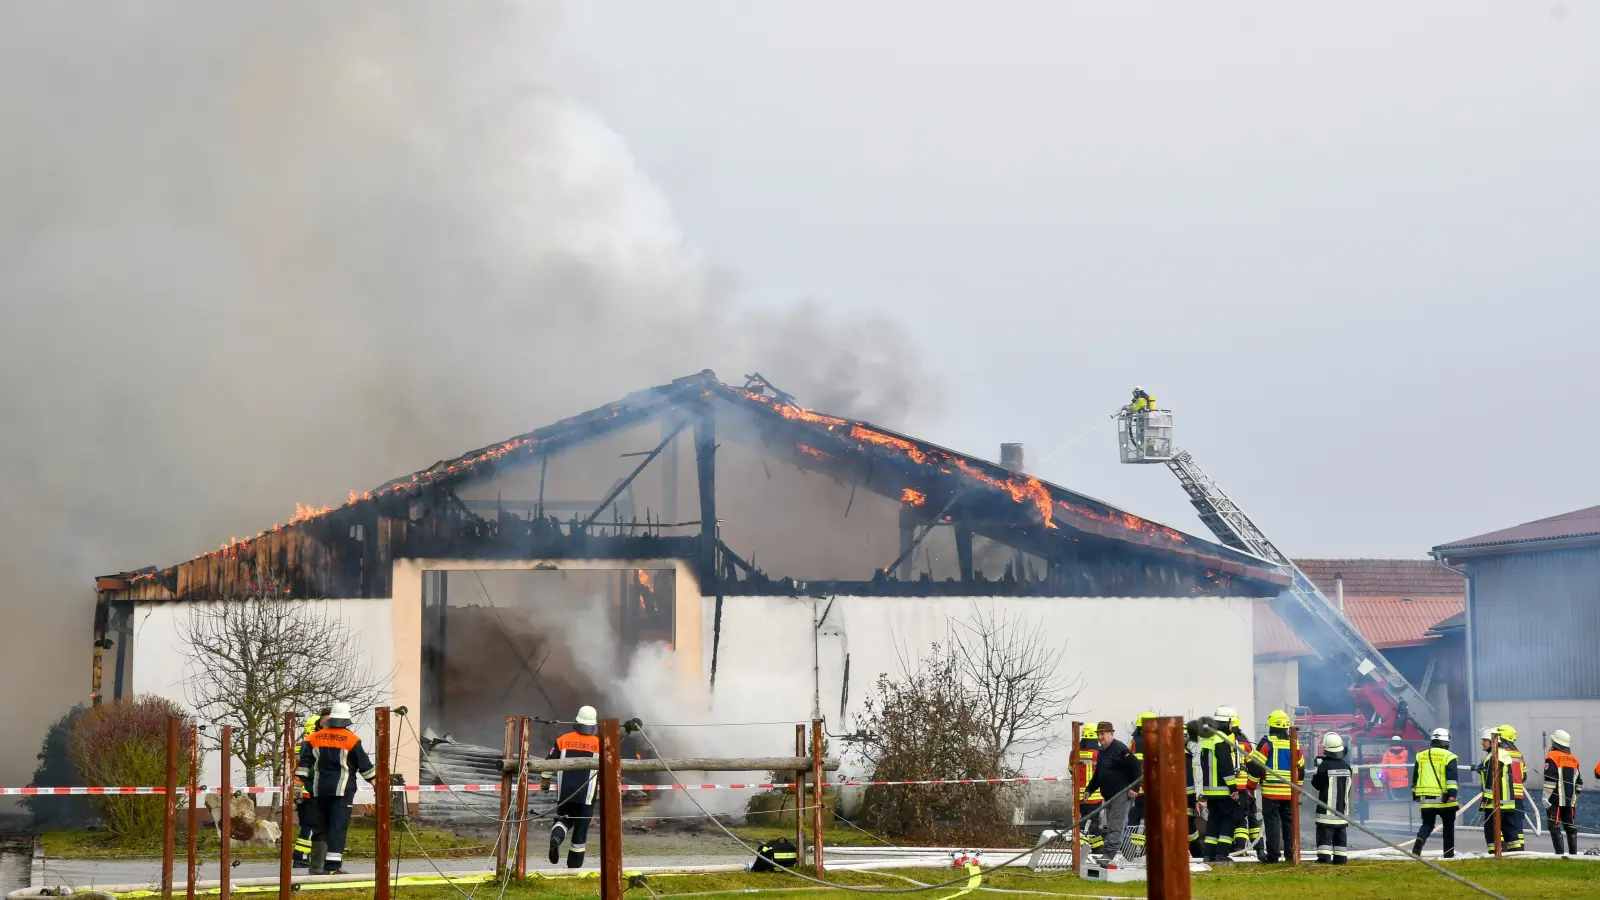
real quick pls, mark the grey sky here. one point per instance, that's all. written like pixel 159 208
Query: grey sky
pixel 1379 218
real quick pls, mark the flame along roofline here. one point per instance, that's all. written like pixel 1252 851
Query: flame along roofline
pixel 1054 503
pixel 1079 511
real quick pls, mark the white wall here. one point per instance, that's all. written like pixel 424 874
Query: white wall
pixel 160 666
pixel 1176 656
pixel 1277 687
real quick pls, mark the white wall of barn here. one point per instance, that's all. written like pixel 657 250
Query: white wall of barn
pixel 1176 656
pixel 161 665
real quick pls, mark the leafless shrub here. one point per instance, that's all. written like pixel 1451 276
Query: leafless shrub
pixel 252 660
pixel 1011 673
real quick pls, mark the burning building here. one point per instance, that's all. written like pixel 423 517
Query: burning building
pixel 708 546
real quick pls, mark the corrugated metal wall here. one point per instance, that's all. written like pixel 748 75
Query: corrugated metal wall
pixel 1535 620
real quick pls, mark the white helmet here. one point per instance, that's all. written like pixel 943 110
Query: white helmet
pixel 1441 734
pixel 338 715
pixel 1137 389
pixel 1332 743
pixel 1225 714
pixel 1561 738
pixel 587 716
pixel 1488 734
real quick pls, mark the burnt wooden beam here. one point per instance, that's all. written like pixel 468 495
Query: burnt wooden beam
pixel 964 550
pixel 622 485
pixel 705 463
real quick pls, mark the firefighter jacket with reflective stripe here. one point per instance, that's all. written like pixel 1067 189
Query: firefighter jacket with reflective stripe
pixel 1088 755
pixel 1335 784
pixel 1191 768
pixel 1217 772
pixel 575 785
pixel 1136 744
pixel 1396 770
pixel 330 760
pixel 1504 771
pixel 1142 401
pixel 1519 771
pixel 1562 780
pixel 1249 760
pixel 1433 778
pixel 1279 762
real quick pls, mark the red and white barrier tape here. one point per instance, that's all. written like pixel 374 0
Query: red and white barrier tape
pixel 495 788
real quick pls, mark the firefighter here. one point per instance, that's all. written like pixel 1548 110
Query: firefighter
pixel 1397 768
pixel 1142 401
pixel 305 811
pixel 1192 781
pixel 1249 766
pixel 575 788
pixel 1284 770
pixel 330 759
pixel 1136 810
pixel 1491 771
pixel 1334 783
pixel 1089 803
pixel 1519 786
pixel 1562 783
pixel 1433 786
pixel 1218 785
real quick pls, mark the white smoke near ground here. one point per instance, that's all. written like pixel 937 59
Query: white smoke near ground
pixel 256 254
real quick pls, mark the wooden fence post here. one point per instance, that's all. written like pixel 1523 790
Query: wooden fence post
pixel 610 810
pixel 287 797
pixel 194 808
pixel 225 814
pixel 525 737
pixel 381 809
pixel 1077 797
pixel 816 796
pixel 1294 795
pixel 799 797
pixel 502 846
pixel 1167 859
pixel 169 822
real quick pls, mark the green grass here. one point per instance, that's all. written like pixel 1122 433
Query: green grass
pixel 363 835
pixel 1517 879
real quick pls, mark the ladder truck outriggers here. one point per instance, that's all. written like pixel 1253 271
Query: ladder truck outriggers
pixel 1387 704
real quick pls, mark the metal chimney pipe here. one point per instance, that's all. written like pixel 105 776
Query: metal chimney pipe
pixel 1011 457
pixel 1338 591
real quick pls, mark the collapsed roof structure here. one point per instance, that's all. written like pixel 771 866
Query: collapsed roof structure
pixel 1064 543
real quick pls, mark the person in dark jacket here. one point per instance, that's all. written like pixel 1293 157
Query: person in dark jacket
pixel 330 759
pixel 1115 769
pixel 575 788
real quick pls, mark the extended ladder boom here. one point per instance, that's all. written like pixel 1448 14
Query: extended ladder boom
pixel 1302 607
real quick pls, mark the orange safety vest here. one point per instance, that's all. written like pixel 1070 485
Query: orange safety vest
pixel 1398 771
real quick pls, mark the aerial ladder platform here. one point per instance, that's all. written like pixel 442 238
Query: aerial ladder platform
pixel 1145 437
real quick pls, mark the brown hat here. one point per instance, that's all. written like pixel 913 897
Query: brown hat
pixel 1106 728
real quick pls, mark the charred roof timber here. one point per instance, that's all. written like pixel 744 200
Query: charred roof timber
pixel 1066 543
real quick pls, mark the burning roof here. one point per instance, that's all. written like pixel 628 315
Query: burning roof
pixel 935 482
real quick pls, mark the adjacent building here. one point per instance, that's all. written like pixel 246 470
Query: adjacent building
pixel 1530 627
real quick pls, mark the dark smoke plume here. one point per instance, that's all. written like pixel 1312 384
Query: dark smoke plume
pixel 255 254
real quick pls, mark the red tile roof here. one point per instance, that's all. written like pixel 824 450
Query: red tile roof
pixel 1576 524
pixel 1392 602
pixel 1384 577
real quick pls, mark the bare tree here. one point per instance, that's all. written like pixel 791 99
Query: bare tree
pixel 1012 674
pixel 251 660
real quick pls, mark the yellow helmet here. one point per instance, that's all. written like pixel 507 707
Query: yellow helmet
pixel 1507 733
pixel 1143 717
pixel 1278 719
pixel 311 723
pixel 1088 732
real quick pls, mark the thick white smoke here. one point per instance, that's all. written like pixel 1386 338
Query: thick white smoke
pixel 254 254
